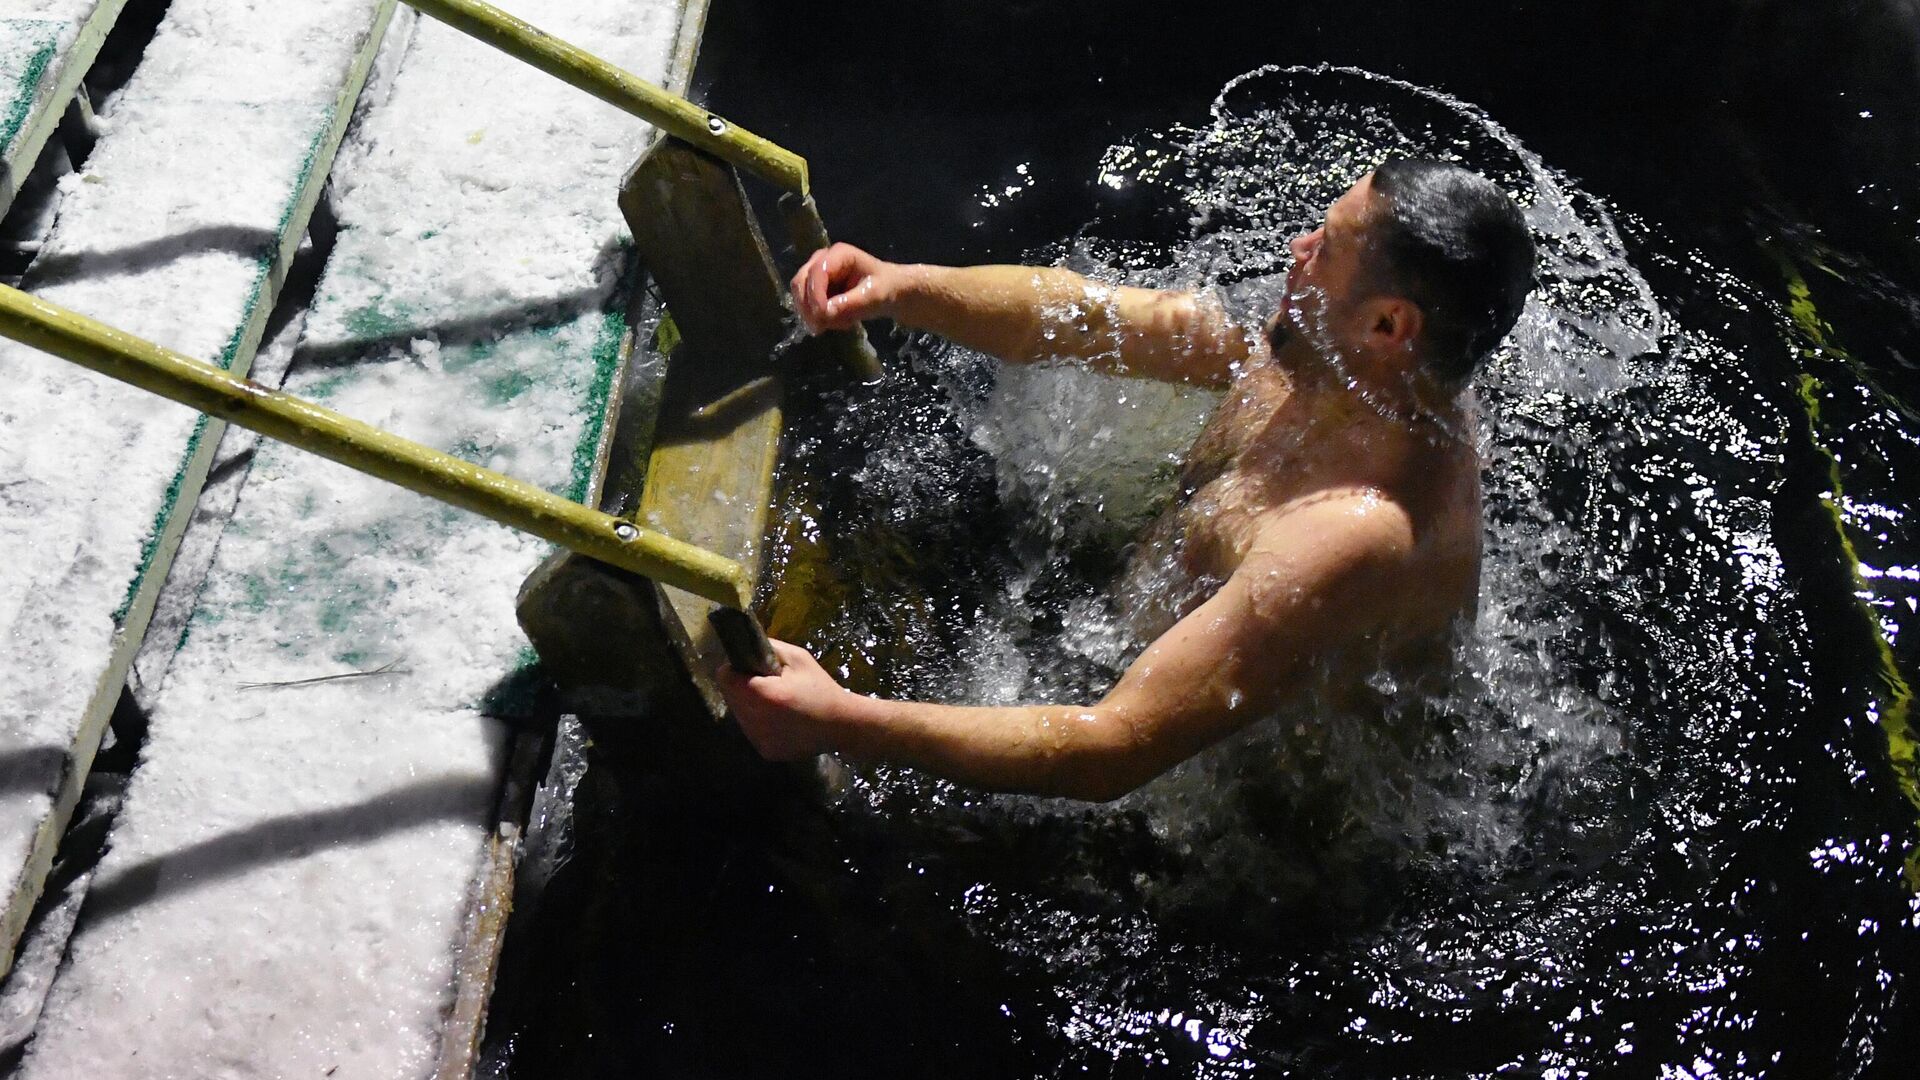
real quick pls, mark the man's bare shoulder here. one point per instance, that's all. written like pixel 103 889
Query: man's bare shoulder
pixel 1352 529
pixel 1352 564
pixel 1349 558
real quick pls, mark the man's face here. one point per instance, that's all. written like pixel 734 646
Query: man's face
pixel 1324 281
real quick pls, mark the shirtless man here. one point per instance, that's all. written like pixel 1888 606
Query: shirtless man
pixel 1333 497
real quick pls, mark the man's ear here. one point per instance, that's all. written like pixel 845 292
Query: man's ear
pixel 1396 323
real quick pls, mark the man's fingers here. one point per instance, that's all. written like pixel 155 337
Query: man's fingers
pixel 825 287
pixel 802 296
pixel 822 276
pixel 797 287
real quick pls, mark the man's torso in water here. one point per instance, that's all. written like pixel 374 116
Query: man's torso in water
pixel 1263 454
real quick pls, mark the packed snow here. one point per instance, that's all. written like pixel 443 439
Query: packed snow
pixel 169 232
pixel 288 879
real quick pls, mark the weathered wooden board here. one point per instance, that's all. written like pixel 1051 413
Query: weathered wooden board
pixel 46 47
pixel 708 475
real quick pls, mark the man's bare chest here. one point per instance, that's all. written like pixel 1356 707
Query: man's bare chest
pixel 1243 424
pixel 1250 459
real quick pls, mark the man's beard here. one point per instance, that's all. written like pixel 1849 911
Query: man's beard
pixel 1280 330
pixel 1302 343
pixel 1305 314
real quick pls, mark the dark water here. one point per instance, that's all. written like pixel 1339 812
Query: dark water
pixel 1664 837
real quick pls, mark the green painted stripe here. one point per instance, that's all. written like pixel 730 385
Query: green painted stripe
pixel 157 529
pixel 27 89
pixel 1895 693
pixel 606 365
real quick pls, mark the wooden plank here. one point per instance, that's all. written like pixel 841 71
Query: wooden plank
pixel 46 48
pixel 477 957
pixel 107 516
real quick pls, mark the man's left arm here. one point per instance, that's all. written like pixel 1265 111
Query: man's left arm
pixel 1316 582
pixel 1027 314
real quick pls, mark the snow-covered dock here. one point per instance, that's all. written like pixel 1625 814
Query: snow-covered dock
pixel 46 47
pixel 304 877
pixel 180 229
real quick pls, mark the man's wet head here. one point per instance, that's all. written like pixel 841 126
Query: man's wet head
pixel 1420 267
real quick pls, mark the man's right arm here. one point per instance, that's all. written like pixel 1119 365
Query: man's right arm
pixel 1327 577
pixel 1024 314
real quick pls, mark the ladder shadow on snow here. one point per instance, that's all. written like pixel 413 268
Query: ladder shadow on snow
pixel 92 264
pixel 27 768
pixel 614 263
pixel 290 836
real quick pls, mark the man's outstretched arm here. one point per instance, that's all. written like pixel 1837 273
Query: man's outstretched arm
pixel 1313 585
pixel 1024 313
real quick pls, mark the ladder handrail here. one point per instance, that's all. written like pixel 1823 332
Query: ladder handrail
pixel 72 336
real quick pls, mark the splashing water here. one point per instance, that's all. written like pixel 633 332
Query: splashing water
pixel 1631 815
pixel 1082 461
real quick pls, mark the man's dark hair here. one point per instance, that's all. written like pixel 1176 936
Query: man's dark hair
pixel 1453 243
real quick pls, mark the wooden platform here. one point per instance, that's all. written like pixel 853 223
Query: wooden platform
pixel 338 904
pixel 183 237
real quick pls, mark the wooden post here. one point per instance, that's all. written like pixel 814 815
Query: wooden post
pixel 850 348
pixel 615 640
